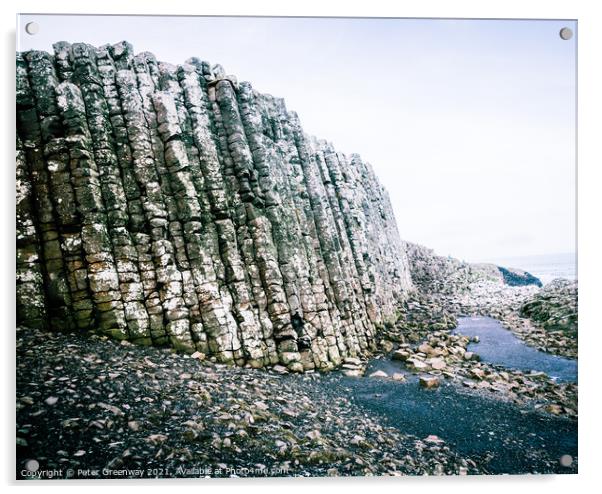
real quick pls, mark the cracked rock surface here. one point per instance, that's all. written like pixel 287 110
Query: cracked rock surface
pixel 173 205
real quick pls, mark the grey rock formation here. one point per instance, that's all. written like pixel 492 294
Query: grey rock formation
pixel 174 205
pixel 555 307
pixel 518 277
pixel 435 274
pixel 445 275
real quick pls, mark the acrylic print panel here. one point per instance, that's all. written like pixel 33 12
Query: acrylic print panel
pixel 205 289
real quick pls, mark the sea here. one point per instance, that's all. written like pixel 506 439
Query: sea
pixel 546 267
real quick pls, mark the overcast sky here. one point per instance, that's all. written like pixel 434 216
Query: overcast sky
pixel 469 124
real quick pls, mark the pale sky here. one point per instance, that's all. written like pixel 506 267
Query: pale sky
pixel 469 124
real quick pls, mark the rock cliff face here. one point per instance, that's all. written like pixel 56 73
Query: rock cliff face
pixel 172 205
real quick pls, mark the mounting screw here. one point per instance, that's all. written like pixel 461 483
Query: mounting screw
pixel 32 28
pixel 32 465
pixel 566 33
pixel 566 460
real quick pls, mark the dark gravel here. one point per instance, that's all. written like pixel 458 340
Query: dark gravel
pixel 85 404
pixel 88 408
pixel 505 437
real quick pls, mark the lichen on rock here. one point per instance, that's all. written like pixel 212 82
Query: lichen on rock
pixel 174 205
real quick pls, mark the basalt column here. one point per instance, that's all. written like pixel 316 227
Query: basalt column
pixel 174 205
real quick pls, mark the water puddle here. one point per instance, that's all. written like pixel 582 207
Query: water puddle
pixel 499 346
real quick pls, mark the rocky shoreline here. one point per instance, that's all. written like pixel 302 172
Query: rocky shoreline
pixel 202 287
pixel 91 403
pixel 86 404
pixel 444 356
pixel 545 317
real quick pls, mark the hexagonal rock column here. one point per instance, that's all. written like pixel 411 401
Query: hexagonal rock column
pixel 174 205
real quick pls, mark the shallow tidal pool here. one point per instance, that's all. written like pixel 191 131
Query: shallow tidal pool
pixel 497 345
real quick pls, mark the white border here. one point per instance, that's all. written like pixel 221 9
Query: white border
pixel 589 207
